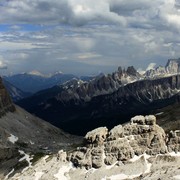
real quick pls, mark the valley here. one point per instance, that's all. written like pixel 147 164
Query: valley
pixel 78 106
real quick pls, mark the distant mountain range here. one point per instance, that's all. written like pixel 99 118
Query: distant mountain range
pixel 34 81
pixel 77 106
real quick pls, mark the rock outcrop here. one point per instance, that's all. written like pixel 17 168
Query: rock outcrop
pixel 172 67
pixel 5 100
pixel 97 135
pixel 142 135
pixel 174 141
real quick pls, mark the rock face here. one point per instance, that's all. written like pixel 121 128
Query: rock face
pixel 172 67
pixel 97 136
pixel 141 135
pixel 6 106
pixel 100 85
pixel 174 141
pixel 7 153
pixel 5 100
pixel 15 93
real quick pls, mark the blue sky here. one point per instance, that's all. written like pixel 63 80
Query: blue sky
pixel 87 36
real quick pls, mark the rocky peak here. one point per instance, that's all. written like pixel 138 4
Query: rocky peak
pixel 100 85
pixel 120 70
pixel 173 66
pixel 170 61
pixel 141 136
pixel 131 71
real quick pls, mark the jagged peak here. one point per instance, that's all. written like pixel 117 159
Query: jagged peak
pixel 120 70
pixel 131 71
pixel 172 60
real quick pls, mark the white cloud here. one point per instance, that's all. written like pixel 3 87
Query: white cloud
pixel 105 32
pixel 3 65
pixel 151 66
pixel 6 45
pixel 88 56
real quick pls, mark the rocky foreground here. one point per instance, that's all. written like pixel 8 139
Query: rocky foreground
pixel 137 150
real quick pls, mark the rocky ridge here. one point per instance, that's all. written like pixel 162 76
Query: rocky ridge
pixel 172 67
pixel 137 150
pixel 106 84
pixel 122 143
pixel 100 85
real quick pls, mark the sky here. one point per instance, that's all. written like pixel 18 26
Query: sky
pixel 87 37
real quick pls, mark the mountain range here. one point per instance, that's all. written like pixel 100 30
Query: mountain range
pixel 35 81
pixel 77 106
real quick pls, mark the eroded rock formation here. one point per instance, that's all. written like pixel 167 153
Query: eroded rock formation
pixel 141 135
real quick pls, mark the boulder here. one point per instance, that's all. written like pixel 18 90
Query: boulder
pixel 138 120
pixel 173 143
pixel 116 132
pixel 62 156
pixel 150 120
pixel 97 157
pixel 97 136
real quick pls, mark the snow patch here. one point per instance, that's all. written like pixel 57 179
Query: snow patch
pixel 135 158
pixel 7 176
pixel 31 142
pixel 174 154
pixel 160 113
pixel 111 166
pixel 38 175
pixel 148 170
pixel 121 177
pixel 61 175
pixel 124 176
pixel 44 158
pixel 176 177
pixel 13 138
pixel 27 158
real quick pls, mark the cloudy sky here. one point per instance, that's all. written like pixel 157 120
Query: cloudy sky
pixel 87 36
